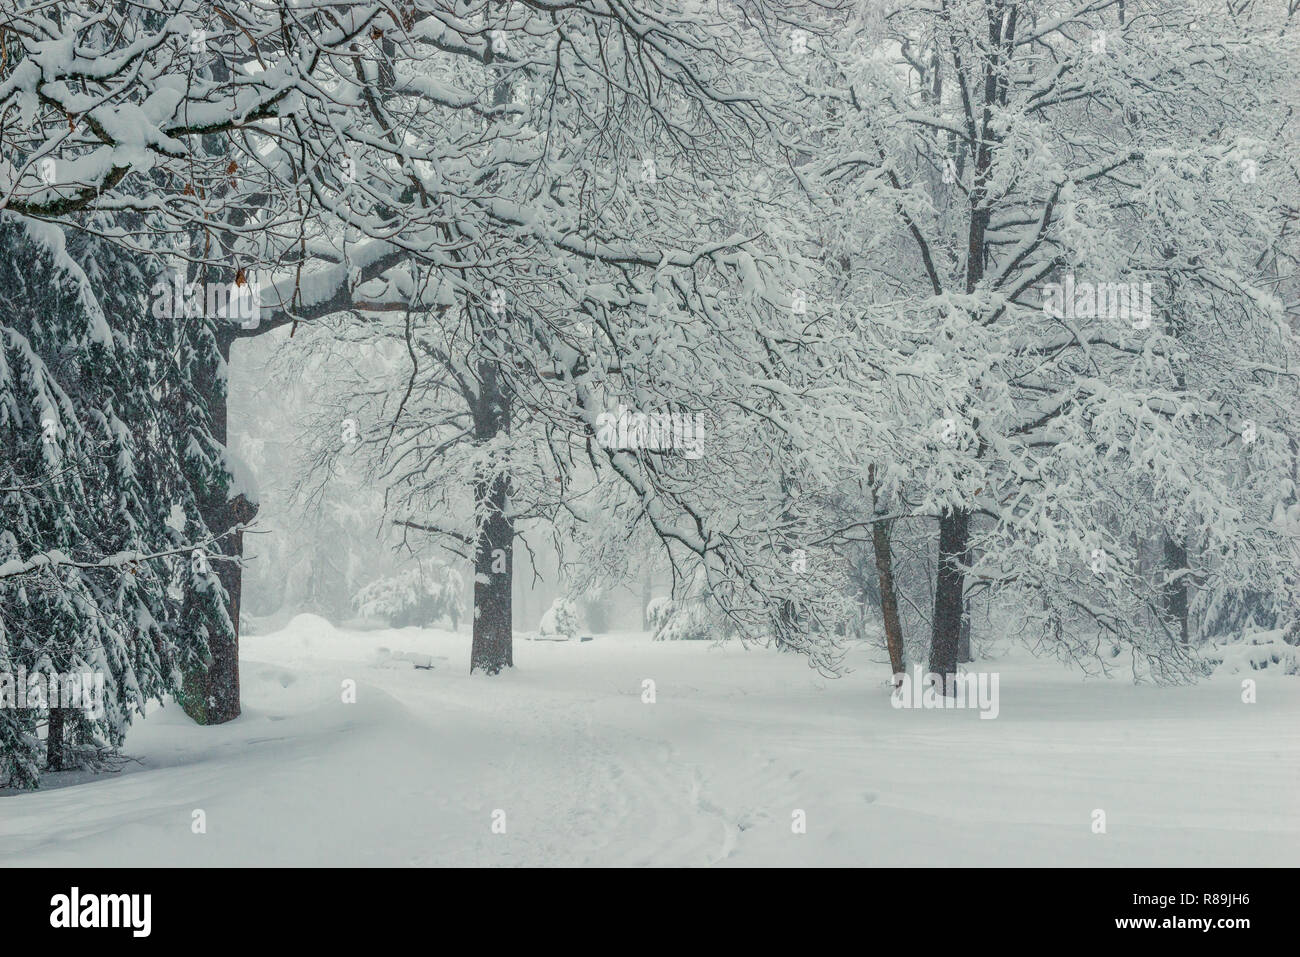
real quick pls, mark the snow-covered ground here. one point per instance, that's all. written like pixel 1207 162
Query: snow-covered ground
pixel 712 772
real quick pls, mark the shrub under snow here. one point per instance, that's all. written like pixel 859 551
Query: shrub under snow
pixel 657 611
pixel 1254 651
pixel 560 620
pixel 680 621
pixel 417 596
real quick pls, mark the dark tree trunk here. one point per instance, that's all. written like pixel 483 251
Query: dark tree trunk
pixel 493 646
pixel 493 643
pixel 210 694
pixel 963 638
pixel 888 600
pixel 950 583
pixel 54 741
pixel 1176 591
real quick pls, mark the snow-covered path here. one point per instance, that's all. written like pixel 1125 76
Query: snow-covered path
pixel 711 773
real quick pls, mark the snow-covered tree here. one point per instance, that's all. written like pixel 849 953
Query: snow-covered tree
pixel 419 595
pixel 582 290
pixel 107 457
pixel 1045 228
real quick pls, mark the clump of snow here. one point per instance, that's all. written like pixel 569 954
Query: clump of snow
pixel 243 481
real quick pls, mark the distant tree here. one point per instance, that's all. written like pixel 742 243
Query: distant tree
pixel 420 595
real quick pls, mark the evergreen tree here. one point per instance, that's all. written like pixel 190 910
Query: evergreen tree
pixel 105 442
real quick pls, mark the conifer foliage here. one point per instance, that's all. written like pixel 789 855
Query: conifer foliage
pixel 103 562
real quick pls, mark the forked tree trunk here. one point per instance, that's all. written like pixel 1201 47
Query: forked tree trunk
pixel 950 583
pixel 954 526
pixel 492 648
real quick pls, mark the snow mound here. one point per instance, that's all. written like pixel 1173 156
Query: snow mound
pixel 1256 651
pixel 388 658
pixel 308 625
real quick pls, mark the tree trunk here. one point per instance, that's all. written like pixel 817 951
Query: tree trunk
pixel 647 590
pixel 950 583
pixel 1176 591
pixel 888 600
pixel 963 638
pixel 210 694
pixel 493 642
pixel 492 648
pixel 954 526
pixel 493 645
pixel 54 753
